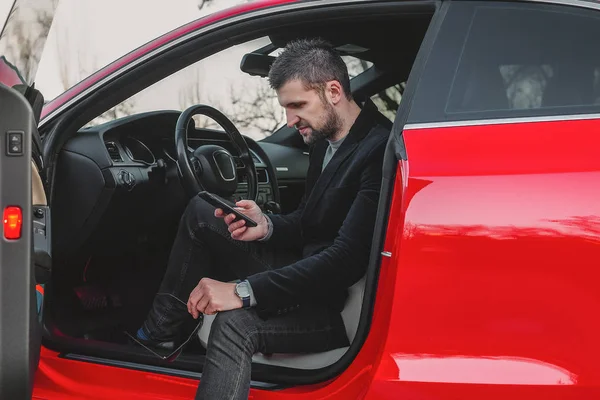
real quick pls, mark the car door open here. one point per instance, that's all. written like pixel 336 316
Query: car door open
pixel 24 226
pixel 20 338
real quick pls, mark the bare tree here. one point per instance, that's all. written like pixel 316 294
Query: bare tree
pixel 356 66
pixel 387 100
pixel 71 74
pixel 256 108
pixel 191 95
pixel 27 34
pixel 121 110
pixel 253 107
pixel 204 3
pixel 64 67
pixel 74 63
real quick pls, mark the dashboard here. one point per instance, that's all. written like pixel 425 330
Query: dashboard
pixel 125 151
pixel 139 150
pixel 124 174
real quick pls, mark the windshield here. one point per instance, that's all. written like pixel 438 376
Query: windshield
pixel 248 101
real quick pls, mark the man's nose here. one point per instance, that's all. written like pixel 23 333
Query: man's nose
pixel 292 119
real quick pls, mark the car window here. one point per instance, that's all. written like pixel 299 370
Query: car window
pixel 248 101
pixel 388 100
pixel 524 58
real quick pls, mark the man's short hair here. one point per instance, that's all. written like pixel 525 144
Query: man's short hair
pixel 312 61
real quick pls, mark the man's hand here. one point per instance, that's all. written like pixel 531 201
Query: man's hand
pixel 210 297
pixel 238 229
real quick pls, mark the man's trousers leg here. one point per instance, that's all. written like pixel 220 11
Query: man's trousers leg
pixel 203 248
pixel 238 334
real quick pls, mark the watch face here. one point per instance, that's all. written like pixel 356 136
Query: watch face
pixel 241 289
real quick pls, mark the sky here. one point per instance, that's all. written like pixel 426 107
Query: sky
pixel 4 9
pixel 87 35
pixel 91 34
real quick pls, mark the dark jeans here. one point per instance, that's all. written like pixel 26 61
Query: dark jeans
pixel 204 248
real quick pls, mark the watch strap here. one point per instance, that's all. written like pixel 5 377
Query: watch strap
pixel 246 299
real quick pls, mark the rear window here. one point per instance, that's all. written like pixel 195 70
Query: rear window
pixel 517 59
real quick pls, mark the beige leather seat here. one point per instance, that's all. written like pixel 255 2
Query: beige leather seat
pixel 38 196
pixel 350 315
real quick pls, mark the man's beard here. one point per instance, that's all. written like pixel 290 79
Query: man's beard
pixel 332 125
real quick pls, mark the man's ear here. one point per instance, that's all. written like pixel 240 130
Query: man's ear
pixel 334 91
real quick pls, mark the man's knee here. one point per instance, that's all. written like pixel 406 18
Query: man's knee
pixel 198 211
pixel 236 326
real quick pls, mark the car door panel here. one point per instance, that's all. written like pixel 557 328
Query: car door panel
pixel 504 247
pixel 25 27
pixel 20 338
pixel 497 251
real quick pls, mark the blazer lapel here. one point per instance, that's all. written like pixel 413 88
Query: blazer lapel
pixel 322 183
pixel 314 169
pixel 359 130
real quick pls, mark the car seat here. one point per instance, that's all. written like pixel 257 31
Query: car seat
pixel 350 315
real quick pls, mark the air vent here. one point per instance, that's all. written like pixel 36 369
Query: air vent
pixel 113 151
pixel 239 164
pixel 263 177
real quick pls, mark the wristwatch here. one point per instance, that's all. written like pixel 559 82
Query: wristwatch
pixel 242 289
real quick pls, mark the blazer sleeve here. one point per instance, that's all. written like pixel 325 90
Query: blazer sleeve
pixel 287 228
pixel 338 266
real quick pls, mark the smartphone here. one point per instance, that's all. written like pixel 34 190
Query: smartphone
pixel 227 207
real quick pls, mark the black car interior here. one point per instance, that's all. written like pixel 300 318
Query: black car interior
pixel 118 189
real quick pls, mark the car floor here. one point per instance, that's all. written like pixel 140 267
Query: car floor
pixel 114 298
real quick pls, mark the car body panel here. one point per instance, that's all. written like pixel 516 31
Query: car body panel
pixel 9 74
pixel 500 238
pixel 62 378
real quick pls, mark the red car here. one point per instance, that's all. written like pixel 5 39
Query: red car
pixel 484 278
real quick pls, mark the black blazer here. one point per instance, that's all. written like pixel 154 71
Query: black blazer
pixel 333 224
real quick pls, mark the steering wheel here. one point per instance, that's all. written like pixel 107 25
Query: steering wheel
pixel 211 167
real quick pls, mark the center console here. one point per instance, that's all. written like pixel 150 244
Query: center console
pixel 265 191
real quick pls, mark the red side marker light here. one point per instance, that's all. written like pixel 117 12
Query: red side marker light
pixel 13 220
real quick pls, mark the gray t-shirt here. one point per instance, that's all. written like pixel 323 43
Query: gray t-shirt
pixel 331 149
